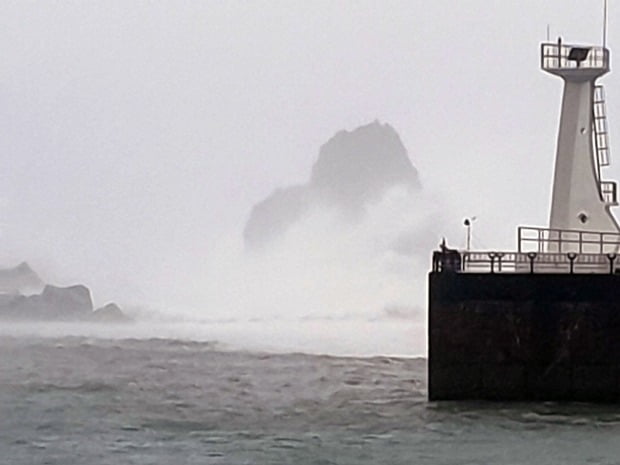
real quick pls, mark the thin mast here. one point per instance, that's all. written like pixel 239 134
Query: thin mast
pixel 605 24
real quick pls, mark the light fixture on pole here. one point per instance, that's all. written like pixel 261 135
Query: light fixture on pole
pixel 468 224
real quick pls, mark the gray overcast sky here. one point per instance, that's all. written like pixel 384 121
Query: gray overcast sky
pixel 135 134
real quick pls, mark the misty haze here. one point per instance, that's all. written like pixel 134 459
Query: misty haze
pixel 217 221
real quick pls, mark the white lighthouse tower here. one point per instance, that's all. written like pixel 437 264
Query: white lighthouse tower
pixel 583 236
pixel 581 199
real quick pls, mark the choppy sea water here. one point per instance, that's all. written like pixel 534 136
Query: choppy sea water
pixel 91 400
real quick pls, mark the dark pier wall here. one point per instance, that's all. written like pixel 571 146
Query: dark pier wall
pixel 524 336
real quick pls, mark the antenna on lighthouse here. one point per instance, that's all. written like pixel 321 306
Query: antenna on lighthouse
pixel 605 20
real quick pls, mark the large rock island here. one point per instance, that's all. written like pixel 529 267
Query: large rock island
pixel 24 296
pixel 354 168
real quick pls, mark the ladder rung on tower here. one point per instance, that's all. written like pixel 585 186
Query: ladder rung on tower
pixel 600 131
pixel 600 140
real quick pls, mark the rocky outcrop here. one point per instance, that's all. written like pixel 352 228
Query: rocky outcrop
pixel 353 169
pixel 73 303
pixel 20 279
pixel 110 313
pixel 67 303
pixel 272 217
pixel 356 167
pixel 54 303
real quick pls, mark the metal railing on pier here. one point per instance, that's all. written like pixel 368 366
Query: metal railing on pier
pixel 520 262
pixel 563 241
pixel 539 250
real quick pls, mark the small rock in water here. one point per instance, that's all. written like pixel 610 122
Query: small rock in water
pixel 69 303
pixel 110 313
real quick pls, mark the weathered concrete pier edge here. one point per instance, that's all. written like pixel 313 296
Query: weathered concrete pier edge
pixel 524 336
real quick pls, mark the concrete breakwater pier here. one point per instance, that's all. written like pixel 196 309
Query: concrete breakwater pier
pixel 524 336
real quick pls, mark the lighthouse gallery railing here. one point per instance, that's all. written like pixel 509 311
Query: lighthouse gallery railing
pixel 540 250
